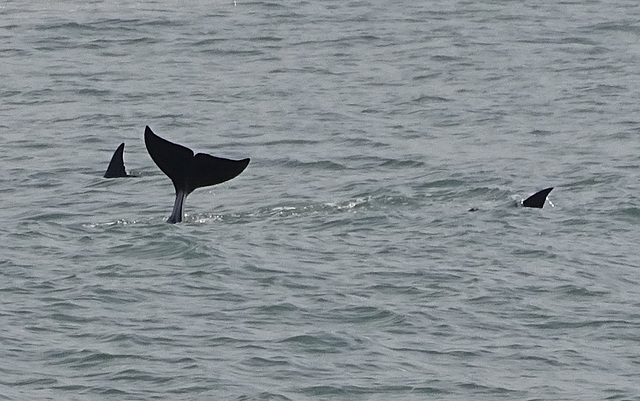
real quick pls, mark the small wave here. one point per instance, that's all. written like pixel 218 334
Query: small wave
pixel 232 52
pixel 356 392
pixel 320 164
pixel 365 315
pixel 119 222
pixel 430 99
pixel 321 342
pixel 630 213
pixel 282 142
pixel 66 25
pixel 262 362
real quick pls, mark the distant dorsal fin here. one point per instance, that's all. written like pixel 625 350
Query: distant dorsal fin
pixel 116 166
pixel 538 199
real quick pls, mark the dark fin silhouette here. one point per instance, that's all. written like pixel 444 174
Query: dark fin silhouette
pixel 116 166
pixel 189 172
pixel 537 200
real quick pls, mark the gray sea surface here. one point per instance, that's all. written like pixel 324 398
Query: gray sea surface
pixel 343 263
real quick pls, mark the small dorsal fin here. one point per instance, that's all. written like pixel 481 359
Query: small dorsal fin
pixel 116 166
pixel 537 200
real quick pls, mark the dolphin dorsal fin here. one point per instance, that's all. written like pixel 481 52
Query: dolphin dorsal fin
pixel 116 166
pixel 537 200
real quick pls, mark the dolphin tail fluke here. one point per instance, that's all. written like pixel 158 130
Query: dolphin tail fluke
pixel 173 159
pixel 116 166
pixel 538 199
pixel 211 170
pixel 189 172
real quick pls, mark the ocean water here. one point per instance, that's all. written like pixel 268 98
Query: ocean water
pixel 343 263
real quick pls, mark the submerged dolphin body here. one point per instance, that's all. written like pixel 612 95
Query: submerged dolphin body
pixel 188 171
pixel 538 199
pixel 116 166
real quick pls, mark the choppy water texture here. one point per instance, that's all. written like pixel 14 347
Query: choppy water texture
pixel 343 264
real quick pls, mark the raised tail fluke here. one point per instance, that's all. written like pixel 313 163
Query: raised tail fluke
pixel 538 199
pixel 187 171
pixel 116 166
